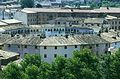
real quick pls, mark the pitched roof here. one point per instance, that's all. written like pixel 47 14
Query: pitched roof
pixel 58 10
pixel 7 54
pixel 94 20
pixel 4 38
pixel 58 40
pixel 11 21
pixel 111 37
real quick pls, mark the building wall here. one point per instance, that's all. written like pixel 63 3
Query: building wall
pixel 60 51
pixel 115 44
pixel 21 16
pixel 32 19
pixel 114 24
pixel 97 48
pixel 50 31
pixel 43 17
pixel 48 52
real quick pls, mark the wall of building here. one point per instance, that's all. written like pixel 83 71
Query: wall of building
pixel 44 17
pixel 114 24
pixel 32 19
pixel 48 53
pixel 21 16
pixel 115 44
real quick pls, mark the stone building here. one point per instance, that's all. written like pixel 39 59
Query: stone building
pixel 34 16
pixel 51 47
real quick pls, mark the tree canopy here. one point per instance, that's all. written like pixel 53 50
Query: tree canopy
pixel 83 65
pixel 27 3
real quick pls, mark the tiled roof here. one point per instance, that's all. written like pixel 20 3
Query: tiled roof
pixel 7 54
pixel 94 20
pixel 58 40
pixel 58 10
pixel 111 37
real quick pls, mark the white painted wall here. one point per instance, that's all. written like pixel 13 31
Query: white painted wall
pixel 115 44
pixel 60 51
pixel 50 51
pixel 21 16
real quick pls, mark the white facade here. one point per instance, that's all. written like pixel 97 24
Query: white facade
pixel 115 44
pixel 20 15
pixel 48 30
pixel 50 51
pixel 51 47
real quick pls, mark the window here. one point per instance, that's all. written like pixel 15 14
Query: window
pixel 115 43
pixel 36 47
pixel 49 29
pixel 18 46
pixel 97 45
pixel 74 30
pixel 45 29
pixel 112 22
pixel 45 47
pixel 34 30
pixel 65 47
pixel 58 22
pixel 55 55
pixel 65 55
pixel 37 30
pixel 75 46
pixel 119 27
pixel 55 47
pixel 98 25
pixel 106 45
pixel 45 55
pixel 90 47
pixel 25 46
pixel 9 45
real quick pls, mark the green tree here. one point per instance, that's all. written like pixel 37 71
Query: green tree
pixel 85 65
pixel 1 75
pixel 32 72
pixel 33 59
pixel 13 71
pixel 44 71
pixel 27 3
pixel 58 68
pixel 111 66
